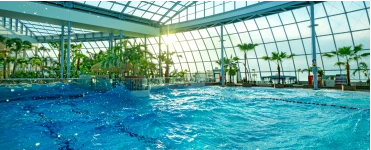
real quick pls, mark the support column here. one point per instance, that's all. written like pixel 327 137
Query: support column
pixel 167 57
pixel 110 41
pixel 62 54
pixel 314 61
pixel 16 25
pixel 159 54
pixel 10 23
pixel 145 54
pixel 69 50
pixel 4 21
pixel 121 37
pixel 222 49
pixel 26 31
pixel 21 28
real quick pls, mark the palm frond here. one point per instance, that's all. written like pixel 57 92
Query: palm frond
pixel 340 63
pixel 329 55
pixel 266 58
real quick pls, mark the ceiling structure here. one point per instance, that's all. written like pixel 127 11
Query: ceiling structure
pixel 44 19
pixel 195 28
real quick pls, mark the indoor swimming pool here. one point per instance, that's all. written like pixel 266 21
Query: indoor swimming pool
pixel 208 117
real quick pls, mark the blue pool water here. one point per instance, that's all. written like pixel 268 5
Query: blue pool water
pixel 198 118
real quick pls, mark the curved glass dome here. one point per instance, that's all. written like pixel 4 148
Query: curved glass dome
pixel 339 24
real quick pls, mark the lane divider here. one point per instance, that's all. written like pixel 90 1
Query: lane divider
pixel 314 103
pixel 291 101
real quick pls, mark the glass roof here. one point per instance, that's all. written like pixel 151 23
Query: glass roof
pixel 159 11
pixel 44 29
pixel 339 24
pixel 170 11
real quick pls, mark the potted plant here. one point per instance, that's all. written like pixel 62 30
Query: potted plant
pixel 346 55
pixel 246 48
pixel 278 57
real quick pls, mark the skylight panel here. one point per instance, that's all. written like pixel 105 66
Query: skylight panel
pixel 170 14
pixel 144 6
pixel 122 2
pixel 154 8
pixel 92 3
pixel 160 3
pixel 162 11
pixel 129 10
pixel 156 17
pixel 168 5
pixel 117 7
pixel 106 5
pixel 177 7
pixel 138 13
pixel 147 15
pixel 134 4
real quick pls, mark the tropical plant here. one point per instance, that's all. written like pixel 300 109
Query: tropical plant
pixel 363 67
pixel 309 70
pixel 3 40
pixel 43 60
pixel 278 57
pixel 77 57
pixel 3 62
pixel 347 55
pixel 246 48
pixel 166 58
pixel 35 62
pixel 231 66
pixel 15 46
pixel 128 56
pixel 175 73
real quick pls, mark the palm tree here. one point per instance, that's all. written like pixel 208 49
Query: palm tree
pixel 127 56
pixel 43 60
pixel 167 61
pixel 246 48
pixel 3 40
pixel 231 66
pixel 278 58
pixel 363 67
pixel 2 61
pixel 16 47
pixel 77 57
pixel 35 62
pixel 347 55
pixel 309 70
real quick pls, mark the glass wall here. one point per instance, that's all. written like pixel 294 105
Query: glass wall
pixel 339 24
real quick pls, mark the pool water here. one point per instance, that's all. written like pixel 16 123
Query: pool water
pixel 185 118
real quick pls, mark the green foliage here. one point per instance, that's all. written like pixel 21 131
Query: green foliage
pixel 25 74
pixel 346 55
pixel 133 59
pixel 166 58
pixel 246 48
pixel 175 73
pixel 362 66
pixel 230 65
pixel 278 57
